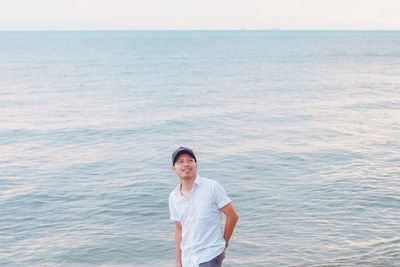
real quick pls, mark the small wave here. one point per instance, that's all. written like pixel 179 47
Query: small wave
pixel 16 191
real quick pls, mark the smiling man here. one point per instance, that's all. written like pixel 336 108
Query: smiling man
pixel 197 206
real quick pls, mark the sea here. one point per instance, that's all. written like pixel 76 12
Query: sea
pixel 302 129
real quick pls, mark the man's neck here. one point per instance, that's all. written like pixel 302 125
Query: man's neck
pixel 187 184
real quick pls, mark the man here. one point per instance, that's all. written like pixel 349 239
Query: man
pixel 197 205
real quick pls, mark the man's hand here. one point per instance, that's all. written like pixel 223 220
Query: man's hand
pixel 230 223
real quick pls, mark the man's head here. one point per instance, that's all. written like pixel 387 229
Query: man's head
pixel 184 163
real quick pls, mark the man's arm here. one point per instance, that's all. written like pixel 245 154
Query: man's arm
pixel 230 223
pixel 178 239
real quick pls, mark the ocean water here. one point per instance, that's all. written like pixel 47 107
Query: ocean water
pixel 302 128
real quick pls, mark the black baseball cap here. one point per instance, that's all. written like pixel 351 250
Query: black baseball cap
pixel 180 151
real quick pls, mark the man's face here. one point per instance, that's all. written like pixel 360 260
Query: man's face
pixel 185 167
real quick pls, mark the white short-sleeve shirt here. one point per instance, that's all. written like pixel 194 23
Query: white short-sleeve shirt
pixel 202 221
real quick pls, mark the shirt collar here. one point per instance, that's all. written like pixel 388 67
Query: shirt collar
pixel 197 182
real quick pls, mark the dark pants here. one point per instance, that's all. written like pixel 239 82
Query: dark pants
pixel 216 262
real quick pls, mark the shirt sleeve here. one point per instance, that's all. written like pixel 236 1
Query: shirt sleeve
pixel 220 196
pixel 172 210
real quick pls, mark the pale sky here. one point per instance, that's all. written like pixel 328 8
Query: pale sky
pixel 199 14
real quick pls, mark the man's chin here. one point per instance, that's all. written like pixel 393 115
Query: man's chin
pixel 187 176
